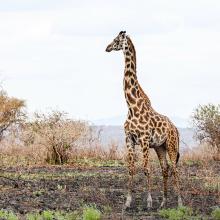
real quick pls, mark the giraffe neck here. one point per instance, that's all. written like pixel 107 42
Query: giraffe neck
pixel 132 89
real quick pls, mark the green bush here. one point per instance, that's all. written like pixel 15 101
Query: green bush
pixel 45 215
pixel 51 215
pixel 206 119
pixel 91 213
pixel 216 214
pixel 33 216
pixel 181 213
pixel 7 215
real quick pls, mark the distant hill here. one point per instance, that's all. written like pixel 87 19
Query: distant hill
pixel 119 121
pixel 115 134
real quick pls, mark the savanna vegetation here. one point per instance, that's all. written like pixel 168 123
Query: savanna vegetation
pixel 206 120
pixel 55 167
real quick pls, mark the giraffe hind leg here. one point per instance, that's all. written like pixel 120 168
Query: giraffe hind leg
pixel 161 153
pixel 173 155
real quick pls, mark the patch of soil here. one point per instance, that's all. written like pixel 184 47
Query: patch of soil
pixel 68 188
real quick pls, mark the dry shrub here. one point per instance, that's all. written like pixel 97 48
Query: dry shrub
pixel 201 153
pixel 55 133
pixel 55 139
pixel 96 151
pixel 113 151
pixel 13 152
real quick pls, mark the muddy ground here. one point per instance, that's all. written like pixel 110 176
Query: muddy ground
pixel 69 188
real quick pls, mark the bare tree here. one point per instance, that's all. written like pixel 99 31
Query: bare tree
pixel 206 119
pixel 11 112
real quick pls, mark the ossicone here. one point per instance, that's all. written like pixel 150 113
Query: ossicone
pixel 122 32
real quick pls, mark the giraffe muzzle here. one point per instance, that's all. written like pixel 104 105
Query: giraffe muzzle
pixel 108 48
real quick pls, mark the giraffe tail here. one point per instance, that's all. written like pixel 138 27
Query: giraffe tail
pixel 177 158
pixel 178 153
pixel 170 168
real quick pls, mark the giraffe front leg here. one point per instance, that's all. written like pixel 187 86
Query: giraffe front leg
pixel 145 148
pixel 131 166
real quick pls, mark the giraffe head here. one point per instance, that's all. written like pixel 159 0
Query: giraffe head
pixel 117 43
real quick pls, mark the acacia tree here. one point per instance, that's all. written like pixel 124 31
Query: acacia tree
pixel 11 112
pixel 206 119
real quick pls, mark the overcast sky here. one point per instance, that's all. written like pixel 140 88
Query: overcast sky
pixel 52 54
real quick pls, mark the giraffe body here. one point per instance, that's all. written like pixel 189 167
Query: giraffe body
pixel 144 126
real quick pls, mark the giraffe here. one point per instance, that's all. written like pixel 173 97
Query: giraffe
pixel 145 127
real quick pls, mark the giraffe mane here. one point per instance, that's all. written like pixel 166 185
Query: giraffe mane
pixel 144 95
pixel 134 51
pixel 133 48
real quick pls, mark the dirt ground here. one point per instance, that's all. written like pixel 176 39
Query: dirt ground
pixel 67 188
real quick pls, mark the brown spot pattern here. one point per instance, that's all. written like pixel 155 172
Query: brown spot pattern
pixel 131 99
pixel 134 93
pixel 154 122
pixel 139 102
pixel 127 85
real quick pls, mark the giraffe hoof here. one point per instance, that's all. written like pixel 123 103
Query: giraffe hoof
pixel 180 202
pixel 149 205
pixel 163 203
pixel 126 208
pixel 128 202
pixel 149 201
pixel 161 206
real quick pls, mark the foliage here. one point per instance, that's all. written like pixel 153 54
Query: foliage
pixel 56 133
pixel 181 213
pixel 47 215
pixel 206 119
pixel 4 214
pixel 51 215
pixel 11 112
pixel 216 214
pixel 91 213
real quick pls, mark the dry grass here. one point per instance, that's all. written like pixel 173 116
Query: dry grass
pixel 203 153
pixel 13 152
pixel 54 139
pixel 17 154
pixel 110 152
